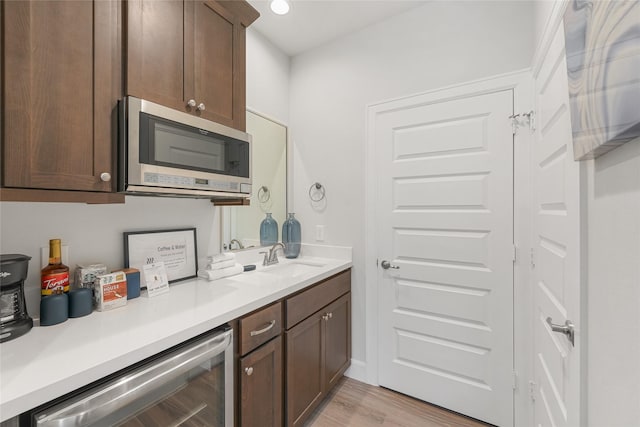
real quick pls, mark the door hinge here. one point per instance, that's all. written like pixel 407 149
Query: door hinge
pixel 514 123
pixel 532 390
pixel 377 261
pixel 533 258
pixel 515 253
pixel 515 380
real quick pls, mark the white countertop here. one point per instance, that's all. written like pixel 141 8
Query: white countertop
pixel 50 361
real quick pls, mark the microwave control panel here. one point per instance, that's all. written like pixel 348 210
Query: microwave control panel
pixel 159 179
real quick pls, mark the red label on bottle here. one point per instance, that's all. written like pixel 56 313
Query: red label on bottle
pixel 51 283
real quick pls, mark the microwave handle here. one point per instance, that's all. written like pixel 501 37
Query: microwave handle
pixel 91 406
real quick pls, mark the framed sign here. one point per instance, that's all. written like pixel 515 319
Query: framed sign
pixel 175 248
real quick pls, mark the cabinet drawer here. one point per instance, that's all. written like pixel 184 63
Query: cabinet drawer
pixel 301 306
pixel 259 327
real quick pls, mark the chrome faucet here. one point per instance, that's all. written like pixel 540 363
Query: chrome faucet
pixel 240 245
pixel 271 257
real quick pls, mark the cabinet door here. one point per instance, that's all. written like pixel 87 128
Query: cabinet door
pixel 305 375
pixel 155 51
pixel 61 83
pixel 337 340
pixel 261 386
pixel 215 62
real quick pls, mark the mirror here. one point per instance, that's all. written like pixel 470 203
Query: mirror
pixel 241 224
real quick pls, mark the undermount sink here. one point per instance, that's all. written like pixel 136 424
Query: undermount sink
pixel 292 269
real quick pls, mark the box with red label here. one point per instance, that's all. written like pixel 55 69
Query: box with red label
pixel 110 291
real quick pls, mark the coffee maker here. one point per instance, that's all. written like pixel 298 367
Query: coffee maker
pixel 14 320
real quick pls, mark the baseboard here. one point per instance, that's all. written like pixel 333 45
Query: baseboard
pixel 357 371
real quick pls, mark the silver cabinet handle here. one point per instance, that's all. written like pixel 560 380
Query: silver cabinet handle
pixel 325 317
pixel 191 103
pixel 93 405
pixel 201 107
pixel 330 315
pixel 568 329
pixel 387 265
pixel 249 370
pixel 105 176
pixel 263 330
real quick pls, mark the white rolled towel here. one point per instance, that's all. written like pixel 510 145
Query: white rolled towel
pixel 219 274
pixel 221 265
pixel 225 256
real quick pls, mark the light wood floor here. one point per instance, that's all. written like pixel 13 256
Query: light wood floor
pixel 355 404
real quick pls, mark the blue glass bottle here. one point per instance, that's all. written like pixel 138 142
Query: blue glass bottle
pixel 268 231
pixel 291 236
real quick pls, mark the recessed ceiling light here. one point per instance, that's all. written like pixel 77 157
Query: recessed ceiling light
pixel 280 7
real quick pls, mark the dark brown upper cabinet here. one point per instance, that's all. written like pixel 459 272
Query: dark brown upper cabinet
pixel 190 56
pixel 61 82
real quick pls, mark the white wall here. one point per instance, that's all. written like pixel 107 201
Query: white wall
pixel 439 44
pixel 613 369
pixel 267 78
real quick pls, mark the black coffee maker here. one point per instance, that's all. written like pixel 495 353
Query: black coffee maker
pixel 14 320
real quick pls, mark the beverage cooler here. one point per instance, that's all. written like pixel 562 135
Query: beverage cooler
pixel 188 385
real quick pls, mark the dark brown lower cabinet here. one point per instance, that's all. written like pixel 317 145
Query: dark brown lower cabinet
pixel 337 340
pixel 318 353
pixel 261 386
pixel 305 381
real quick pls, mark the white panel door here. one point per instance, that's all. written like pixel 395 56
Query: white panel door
pixel 556 247
pixel 445 223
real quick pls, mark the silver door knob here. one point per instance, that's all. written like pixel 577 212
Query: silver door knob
pixel 568 329
pixel 201 107
pixel 387 265
pixel 105 176
pixel 191 103
pixel 249 370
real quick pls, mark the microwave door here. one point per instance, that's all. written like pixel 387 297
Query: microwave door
pixel 179 148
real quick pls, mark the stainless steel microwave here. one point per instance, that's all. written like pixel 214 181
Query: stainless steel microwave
pixel 162 151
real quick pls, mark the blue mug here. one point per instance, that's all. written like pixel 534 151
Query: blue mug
pixel 54 309
pixel 80 302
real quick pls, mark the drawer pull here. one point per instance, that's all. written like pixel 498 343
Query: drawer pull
pixel 249 370
pixel 263 330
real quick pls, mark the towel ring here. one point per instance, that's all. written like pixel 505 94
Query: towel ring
pixel 264 194
pixel 318 190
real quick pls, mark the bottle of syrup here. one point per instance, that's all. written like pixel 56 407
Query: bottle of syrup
pixel 54 278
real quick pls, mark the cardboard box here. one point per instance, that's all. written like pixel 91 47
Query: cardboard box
pixel 86 275
pixel 110 291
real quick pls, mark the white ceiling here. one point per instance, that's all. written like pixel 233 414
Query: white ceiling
pixel 311 23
